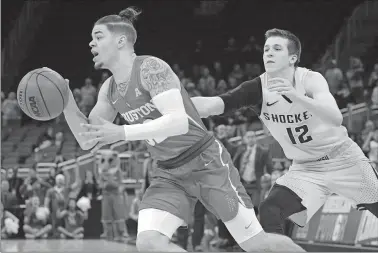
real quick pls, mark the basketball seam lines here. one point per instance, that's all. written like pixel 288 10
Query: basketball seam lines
pixel 36 82
pixel 54 84
pixel 26 104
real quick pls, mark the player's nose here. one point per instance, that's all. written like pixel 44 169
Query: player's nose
pixel 91 44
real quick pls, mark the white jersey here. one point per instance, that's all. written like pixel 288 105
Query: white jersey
pixel 302 136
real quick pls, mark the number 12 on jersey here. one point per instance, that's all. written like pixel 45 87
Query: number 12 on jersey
pixel 302 137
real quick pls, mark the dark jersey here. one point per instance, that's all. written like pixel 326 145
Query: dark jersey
pixel 136 107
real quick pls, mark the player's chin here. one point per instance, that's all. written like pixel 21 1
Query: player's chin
pixel 98 65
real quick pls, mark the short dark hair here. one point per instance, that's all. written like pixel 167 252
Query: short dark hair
pixel 294 45
pixel 122 23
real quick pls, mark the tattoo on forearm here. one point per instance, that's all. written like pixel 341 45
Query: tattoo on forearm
pixel 157 76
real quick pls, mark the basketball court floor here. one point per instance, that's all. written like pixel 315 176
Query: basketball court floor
pixel 92 246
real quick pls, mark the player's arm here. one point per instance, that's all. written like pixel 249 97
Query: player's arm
pixel 248 93
pixel 165 89
pixel 75 117
pixel 319 99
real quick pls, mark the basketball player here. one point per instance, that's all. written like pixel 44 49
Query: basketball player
pixel 301 114
pixel 192 164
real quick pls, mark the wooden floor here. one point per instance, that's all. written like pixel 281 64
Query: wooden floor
pixel 92 246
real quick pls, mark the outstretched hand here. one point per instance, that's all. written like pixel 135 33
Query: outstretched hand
pixel 103 134
pixel 282 87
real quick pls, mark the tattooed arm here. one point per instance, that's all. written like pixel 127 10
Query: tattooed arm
pixel 165 89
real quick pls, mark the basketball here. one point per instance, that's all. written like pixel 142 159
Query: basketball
pixel 42 94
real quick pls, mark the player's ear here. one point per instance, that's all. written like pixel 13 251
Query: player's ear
pixel 293 59
pixel 122 40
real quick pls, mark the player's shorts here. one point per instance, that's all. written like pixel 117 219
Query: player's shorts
pixel 112 207
pixel 210 177
pixel 345 171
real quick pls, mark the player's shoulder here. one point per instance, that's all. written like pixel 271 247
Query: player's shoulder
pixel 312 78
pixel 309 73
pixel 149 62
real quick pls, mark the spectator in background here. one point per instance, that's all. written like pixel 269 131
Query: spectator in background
pixel 374 96
pixel 33 186
pixel 232 82
pixel 4 214
pixel 73 221
pixel 51 178
pixel 373 78
pixel 132 222
pixel 192 90
pixel 88 96
pixel 9 199
pixel 370 146
pixel 207 83
pixel 47 139
pixel 89 184
pixel 221 87
pixel 57 196
pixel 334 77
pixel 355 79
pixel 59 140
pixel 251 71
pixel 343 96
pixel 252 48
pixel 230 52
pixel 237 73
pixel 35 226
pixel 252 160
pixel 218 72
pixel 15 182
pixel 231 46
pixel 222 134
pixel 196 73
pixel 11 112
pixel 369 127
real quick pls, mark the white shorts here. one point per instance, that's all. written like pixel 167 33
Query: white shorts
pixel 348 174
pixel 243 227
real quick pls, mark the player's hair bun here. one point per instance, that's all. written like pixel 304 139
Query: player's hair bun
pixel 130 14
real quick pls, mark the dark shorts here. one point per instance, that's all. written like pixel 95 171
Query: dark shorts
pixel 210 177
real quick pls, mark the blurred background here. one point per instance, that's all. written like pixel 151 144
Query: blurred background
pixel 212 46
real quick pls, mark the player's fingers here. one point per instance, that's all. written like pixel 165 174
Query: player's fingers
pixel 91 126
pixel 95 134
pixel 279 89
pixel 277 85
pixel 277 79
